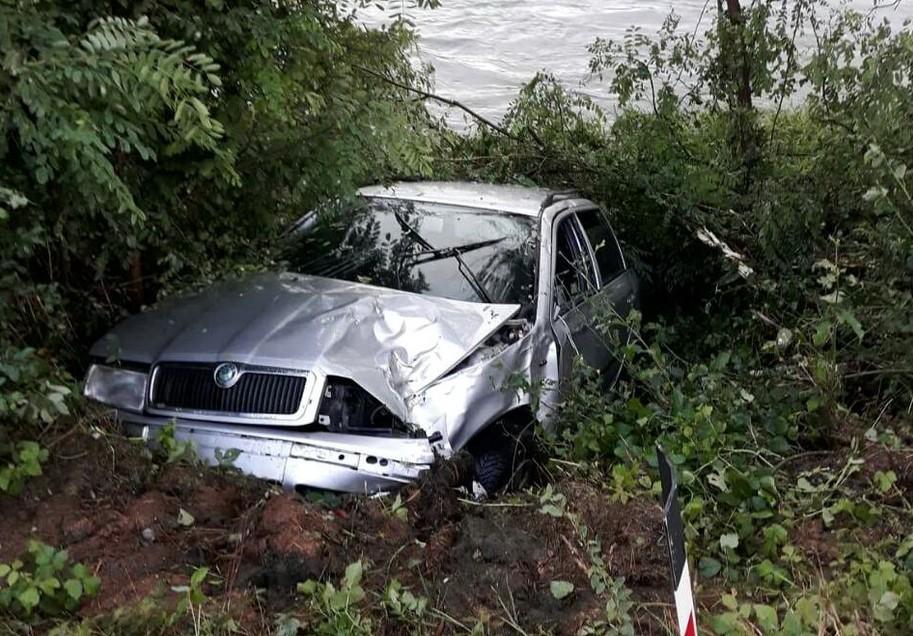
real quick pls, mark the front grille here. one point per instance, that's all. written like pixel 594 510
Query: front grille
pixel 189 387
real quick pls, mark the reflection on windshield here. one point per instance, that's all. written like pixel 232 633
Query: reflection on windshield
pixel 370 245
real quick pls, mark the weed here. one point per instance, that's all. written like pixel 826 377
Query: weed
pixel 336 609
pixel 45 583
pixel 25 460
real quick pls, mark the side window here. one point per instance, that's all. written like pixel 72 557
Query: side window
pixel 575 277
pixel 605 247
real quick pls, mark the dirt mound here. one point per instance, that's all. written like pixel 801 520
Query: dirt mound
pixel 143 528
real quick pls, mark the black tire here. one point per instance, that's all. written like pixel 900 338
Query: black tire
pixel 493 467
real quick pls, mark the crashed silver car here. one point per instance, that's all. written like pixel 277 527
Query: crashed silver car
pixel 425 319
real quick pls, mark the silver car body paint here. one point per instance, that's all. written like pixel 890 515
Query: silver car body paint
pixel 423 357
pixel 392 343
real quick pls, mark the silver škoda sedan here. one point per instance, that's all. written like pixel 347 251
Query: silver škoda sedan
pixel 418 323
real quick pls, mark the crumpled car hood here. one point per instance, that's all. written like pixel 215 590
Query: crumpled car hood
pixel 390 342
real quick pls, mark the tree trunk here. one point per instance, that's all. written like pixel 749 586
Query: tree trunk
pixel 741 70
pixel 135 285
pixel 735 64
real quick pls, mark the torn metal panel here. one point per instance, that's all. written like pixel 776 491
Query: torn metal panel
pixel 465 402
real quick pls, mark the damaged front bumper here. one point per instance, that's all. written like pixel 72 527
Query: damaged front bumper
pixel 296 459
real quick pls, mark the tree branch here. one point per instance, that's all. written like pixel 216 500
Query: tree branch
pixel 451 102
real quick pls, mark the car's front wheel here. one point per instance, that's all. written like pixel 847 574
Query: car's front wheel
pixel 498 454
pixel 493 469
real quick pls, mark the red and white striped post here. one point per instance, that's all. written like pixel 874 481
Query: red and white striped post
pixel 675 538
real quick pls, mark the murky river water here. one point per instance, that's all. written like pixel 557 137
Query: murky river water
pixel 484 50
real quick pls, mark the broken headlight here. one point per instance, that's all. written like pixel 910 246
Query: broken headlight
pixel 120 388
pixel 348 408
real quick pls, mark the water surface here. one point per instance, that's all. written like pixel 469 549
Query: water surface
pixel 484 50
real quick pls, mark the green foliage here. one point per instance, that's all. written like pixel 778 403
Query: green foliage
pixel 25 460
pixel 29 393
pixel 403 605
pixel 193 594
pixel 699 213
pixel 772 232
pixel 151 145
pixel 335 609
pixel 44 583
pixel 173 449
pixel 561 589
pixel 398 509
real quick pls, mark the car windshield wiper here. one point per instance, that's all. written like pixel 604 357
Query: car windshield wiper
pixel 428 255
pixel 467 273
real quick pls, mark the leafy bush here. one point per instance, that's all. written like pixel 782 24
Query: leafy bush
pixel 335 609
pixel 145 151
pixel 44 583
pixel 25 460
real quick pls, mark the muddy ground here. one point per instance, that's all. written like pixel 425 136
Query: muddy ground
pixel 116 509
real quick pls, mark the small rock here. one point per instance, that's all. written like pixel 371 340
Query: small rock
pixel 148 535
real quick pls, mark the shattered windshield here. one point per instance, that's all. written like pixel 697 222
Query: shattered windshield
pixel 427 248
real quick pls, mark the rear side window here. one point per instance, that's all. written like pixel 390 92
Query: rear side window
pixel 605 247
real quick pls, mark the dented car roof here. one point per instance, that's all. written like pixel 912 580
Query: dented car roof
pixel 505 198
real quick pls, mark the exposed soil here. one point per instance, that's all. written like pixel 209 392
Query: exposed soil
pixel 113 508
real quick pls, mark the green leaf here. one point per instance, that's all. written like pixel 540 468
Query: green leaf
pixel 822 333
pixel 353 574
pixel 552 510
pixel 873 193
pixel 48 585
pixel 73 588
pixel 198 576
pixel 91 585
pixel 767 618
pixel 308 587
pixel 561 589
pixel 847 317
pixel 884 480
pixel 28 598
pixel 185 518
pixel 709 567
pixel 730 540
pixel 884 608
